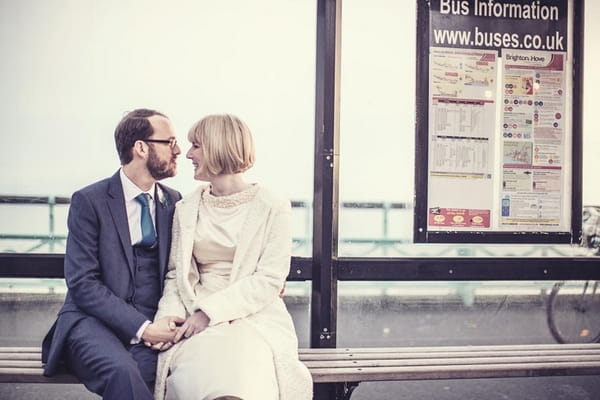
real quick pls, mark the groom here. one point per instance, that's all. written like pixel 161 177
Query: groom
pixel 115 263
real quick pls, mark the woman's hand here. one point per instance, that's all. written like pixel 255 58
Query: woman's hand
pixel 159 335
pixel 195 323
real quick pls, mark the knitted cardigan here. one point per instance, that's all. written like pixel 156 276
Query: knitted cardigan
pixel 260 267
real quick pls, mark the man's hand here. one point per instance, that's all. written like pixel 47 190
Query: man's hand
pixel 162 332
pixel 195 323
pixel 160 346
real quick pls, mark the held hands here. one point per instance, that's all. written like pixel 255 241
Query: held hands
pixel 160 334
pixel 195 323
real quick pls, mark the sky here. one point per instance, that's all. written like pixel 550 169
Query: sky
pixel 72 68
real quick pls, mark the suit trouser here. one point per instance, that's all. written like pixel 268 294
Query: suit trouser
pixel 108 367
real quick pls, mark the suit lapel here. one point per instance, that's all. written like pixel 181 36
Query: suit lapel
pixel 164 205
pixel 116 205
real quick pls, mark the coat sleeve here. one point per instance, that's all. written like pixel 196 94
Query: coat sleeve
pixel 252 293
pixel 84 272
pixel 170 303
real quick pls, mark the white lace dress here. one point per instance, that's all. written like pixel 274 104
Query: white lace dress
pixel 229 358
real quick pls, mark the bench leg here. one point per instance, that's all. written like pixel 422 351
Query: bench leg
pixel 348 388
pixel 334 391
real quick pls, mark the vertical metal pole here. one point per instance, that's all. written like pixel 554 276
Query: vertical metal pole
pixel 385 233
pixel 577 116
pixel 325 200
pixel 51 204
pixel 307 228
pixel 323 327
pixel 421 123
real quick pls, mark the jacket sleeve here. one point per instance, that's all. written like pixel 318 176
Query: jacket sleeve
pixel 170 303
pixel 252 293
pixel 84 272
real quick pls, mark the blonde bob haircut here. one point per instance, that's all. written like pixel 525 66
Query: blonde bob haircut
pixel 226 143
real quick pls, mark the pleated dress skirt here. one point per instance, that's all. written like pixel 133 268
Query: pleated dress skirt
pixel 229 359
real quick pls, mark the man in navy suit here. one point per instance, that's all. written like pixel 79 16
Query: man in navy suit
pixel 115 263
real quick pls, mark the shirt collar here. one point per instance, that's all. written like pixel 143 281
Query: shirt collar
pixel 131 190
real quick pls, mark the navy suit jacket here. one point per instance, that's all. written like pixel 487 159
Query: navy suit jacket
pixel 99 263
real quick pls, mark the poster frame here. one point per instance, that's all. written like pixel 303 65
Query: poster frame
pixel 421 231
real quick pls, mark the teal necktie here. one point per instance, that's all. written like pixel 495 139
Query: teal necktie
pixel 148 233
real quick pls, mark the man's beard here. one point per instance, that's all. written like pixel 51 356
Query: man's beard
pixel 159 169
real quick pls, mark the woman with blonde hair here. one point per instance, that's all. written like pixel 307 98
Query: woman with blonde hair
pixel 230 256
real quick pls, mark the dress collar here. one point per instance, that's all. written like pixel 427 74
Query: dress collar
pixel 231 200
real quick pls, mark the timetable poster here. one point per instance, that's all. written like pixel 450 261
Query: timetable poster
pixel 498 139
pixel 533 139
pixel 462 120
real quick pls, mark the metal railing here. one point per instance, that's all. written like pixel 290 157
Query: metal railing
pixel 302 242
pixel 51 239
pixel 380 243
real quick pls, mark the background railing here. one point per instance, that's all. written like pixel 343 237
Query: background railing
pixel 50 239
pixel 363 232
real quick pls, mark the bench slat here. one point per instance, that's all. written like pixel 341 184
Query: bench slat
pixel 21 356
pixel 333 364
pixel 20 363
pixel 20 349
pixel 23 364
pixel 446 354
pixel 467 371
pixel 429 349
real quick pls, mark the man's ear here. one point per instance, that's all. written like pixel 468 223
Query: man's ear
pixel 140 149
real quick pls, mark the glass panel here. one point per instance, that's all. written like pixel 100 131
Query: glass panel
pixel 376 127
pixel 28 308
pixel 297 299
pixel 591 117
pixel 74 68
pixel 379 314
pixel 377 137
pixel 32 228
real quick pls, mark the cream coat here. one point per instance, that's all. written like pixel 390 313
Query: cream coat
pixel 260 267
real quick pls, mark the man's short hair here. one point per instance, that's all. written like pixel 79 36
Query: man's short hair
pixel 133 127
pixel 226 142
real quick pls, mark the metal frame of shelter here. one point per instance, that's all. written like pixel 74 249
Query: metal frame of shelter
pixel 325 269
pixel 328 268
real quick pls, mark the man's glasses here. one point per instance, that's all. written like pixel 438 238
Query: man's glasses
pixel 171 142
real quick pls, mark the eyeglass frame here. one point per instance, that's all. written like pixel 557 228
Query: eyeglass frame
pixel 171 142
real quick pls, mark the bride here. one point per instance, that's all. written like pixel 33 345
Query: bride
pixel 229 260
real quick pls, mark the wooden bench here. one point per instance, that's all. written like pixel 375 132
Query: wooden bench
pixel 346 368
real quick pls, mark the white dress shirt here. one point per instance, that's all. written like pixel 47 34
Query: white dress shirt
pixel 134 218
pixel 134 208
